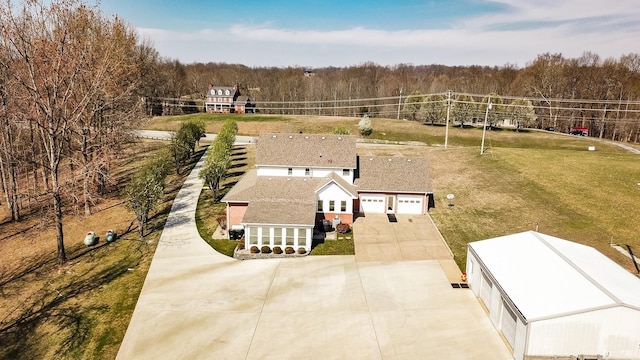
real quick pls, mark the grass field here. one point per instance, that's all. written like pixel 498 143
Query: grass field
pixel 81 310
pixel 525 178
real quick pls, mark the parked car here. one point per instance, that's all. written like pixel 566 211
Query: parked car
pixel 550 128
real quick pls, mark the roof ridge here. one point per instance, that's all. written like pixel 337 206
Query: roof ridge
pixel 577 268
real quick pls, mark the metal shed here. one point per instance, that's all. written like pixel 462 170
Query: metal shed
pixel 553 298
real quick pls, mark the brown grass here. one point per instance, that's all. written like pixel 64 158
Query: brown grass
pixel 81 309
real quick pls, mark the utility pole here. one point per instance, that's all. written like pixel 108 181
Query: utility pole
pixel 399 103
pixel 446 130
pixel 484 129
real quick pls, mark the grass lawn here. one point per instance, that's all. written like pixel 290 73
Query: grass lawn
pixel 80 310
pixel 335 244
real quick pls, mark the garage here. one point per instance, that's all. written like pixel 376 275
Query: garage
pixel 551 297
pixel 410 204
pixel 372 204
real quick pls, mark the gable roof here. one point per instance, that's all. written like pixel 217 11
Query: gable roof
pixel 397 173
pixel 281 200
pixel 545 276
pixel 306 150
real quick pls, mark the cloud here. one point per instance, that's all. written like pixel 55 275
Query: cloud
pixel 517 34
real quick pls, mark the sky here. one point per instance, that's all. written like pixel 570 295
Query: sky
pixel 342 33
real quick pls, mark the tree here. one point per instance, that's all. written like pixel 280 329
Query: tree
pixel 463 108
pixel 66 64
pixel 433 109
pixel 218 159
pixel 496 112
pixel 412 105
pixel 521 112
pixel 364 125
pixel 146 189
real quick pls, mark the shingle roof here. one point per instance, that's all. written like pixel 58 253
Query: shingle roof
pixel 308 150
pixel 277 212
pixel 397 173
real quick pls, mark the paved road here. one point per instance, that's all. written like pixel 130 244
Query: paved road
pixel 166 135
pixel 199 304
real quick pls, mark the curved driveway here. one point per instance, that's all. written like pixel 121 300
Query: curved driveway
pixel 199 304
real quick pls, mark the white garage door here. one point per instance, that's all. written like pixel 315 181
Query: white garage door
pixel 372 204
pixel 408 204
pixel 508 324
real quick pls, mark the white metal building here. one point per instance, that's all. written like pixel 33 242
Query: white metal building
pixel 552 297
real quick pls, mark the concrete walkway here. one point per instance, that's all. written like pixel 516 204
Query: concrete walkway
pixel 198 304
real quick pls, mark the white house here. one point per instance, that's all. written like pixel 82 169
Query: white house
pixel 552 298
pixel 302 179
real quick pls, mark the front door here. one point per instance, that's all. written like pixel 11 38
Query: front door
pixel 391 203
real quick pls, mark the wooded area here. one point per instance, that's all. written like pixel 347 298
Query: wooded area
pixel 551 91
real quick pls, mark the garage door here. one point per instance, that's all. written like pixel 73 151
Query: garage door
pixel 485 290
pixel 372 204
pixel 508 324
pixel 408 204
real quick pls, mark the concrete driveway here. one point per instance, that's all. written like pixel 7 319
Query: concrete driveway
pixel 198 304
pixel 412 237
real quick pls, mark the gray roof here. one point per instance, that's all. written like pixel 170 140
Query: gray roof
pixel 281 200
pixel 306 150
pixel 395 173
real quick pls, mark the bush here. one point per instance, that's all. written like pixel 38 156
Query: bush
pixel 341 130
pixel 222 221
pixel 277 250
pixel 240 245
pixel 266 250
pixel 365 126
pixel 302 251
pixel 255 250
pixel 289 250
pixel 343 228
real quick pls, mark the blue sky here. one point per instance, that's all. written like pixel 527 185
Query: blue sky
pixel 344 33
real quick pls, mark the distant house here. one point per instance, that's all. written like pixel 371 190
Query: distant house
pixel 225 100
pixel 302 179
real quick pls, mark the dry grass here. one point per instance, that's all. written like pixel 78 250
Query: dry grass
pixel 79 310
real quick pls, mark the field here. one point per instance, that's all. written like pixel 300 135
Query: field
pixel 525 179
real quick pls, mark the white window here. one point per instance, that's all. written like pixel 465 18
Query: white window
pixel 320 206
pixel 343 206
pixel 289 171
pixel 345 172
pixel 332 205
pixel 307 172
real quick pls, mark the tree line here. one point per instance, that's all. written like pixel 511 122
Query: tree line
pixel 587 91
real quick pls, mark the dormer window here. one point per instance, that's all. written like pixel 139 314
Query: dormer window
pixel 219 91
pixel 227 92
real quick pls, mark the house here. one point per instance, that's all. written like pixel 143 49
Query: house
pixel 302 179
pixel 553 298
pixel 221 99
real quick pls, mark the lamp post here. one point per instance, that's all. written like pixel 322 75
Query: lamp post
pixel 484 129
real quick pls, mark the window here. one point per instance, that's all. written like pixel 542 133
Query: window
pixel 332 205
pixel 253 236
pixel 289 171
pixel 345 172
pixel 289 236
pixel 277 236
pixel 307 172
pixel 343 206
pixel 320 206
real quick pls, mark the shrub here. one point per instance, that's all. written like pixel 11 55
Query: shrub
pixel 240 245
pixel 343 228
pixel 365 126
pixel 302 251
pixel 266 250
pixel 222 221
pixel 255 250
pixel 341 130
pixel 289 250
pixel 277 250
